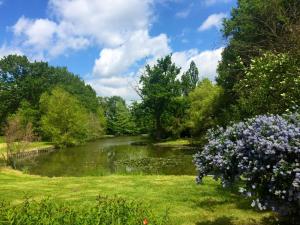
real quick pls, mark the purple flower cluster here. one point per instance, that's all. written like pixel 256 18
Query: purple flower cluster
pixel 262 152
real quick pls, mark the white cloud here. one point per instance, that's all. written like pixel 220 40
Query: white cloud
pixel 114 61
pixel 184 13
pixel 78 24
pixel 4 51
pixel 117 85
pixel 206 61
pixel 213 2
pixel 108 22
pixel 214 20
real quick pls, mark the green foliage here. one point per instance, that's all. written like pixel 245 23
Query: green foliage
pixel 271 85
pixel 105 211
pixel 64 121
pixel 255 27
pixel 142 118
pixel 159 87
pixel 21 80
pixel 204 102
pixel 118 116
pixel 189 79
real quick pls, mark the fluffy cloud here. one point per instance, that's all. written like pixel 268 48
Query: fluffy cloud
pixel 108 22
pixel 113 61
pixel 214 20
pixel 4 51
pixel 206 61
pixel 117 85
pixel 78 24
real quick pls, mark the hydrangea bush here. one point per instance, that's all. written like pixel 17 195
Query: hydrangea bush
pixel 264 153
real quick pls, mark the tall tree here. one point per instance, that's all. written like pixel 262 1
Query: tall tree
pixel 253 28
pixel 190 79
pixel 159 87
pixel 21 80
pixel 204 102
pixel 64 121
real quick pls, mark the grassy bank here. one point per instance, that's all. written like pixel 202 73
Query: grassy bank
pixel 174 143
pixel 188 203
pixel 31 147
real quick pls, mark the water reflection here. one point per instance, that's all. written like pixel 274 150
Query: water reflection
pixel 111 156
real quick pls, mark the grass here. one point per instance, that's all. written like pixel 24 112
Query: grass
pixel 188 203
pixel 173 143
pixel 32 146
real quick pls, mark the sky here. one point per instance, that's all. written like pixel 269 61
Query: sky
pixel 108 42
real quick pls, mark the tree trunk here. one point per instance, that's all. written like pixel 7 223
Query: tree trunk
pixel 158 132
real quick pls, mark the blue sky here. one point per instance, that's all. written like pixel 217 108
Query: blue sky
pixel 108 42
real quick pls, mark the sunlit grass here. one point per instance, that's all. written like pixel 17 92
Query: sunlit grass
pixel 187 202
pixel 172 143
pixel 31 146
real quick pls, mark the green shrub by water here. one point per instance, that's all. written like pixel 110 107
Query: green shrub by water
pixel 105 211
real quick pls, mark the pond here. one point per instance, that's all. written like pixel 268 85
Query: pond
pixel 118 155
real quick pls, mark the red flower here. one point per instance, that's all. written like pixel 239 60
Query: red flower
pixel 145 222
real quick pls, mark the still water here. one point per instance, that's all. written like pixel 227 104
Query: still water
pixel 112 156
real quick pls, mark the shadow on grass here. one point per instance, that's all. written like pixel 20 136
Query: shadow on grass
pixel 221 197
pixel 224 220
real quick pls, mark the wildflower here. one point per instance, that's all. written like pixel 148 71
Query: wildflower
pixel 145 221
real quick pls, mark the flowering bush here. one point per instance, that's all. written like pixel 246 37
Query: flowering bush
pixel 263 152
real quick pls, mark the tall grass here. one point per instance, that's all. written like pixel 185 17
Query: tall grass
pixel 104 211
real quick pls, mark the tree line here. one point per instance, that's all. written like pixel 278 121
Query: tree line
pixel 258 74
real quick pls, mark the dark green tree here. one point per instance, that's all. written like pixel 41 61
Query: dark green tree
pixel 159 88
pixel 255 27
pixel 189 79
pixel 118 117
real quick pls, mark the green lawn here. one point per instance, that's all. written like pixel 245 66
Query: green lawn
pixel 188 203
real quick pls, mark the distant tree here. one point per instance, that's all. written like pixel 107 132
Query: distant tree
pixel 189 79
pixel 118 116
pixel 204 103
pixel 64 121
pixel 142 118
pixel 96 124
pixel 123 123
pixel 159 87
pixel 18 135
pixel 21 80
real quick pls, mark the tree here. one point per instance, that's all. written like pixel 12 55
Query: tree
pixel 271 85
pixel 159 87
pixel 118 116
pixel 21 80
pixel 142 118
pixel 255 27
pixel 189 79
pixel 204 103
pixel 18 135
pixel 64 121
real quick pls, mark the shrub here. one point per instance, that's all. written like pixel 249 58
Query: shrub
pixel 105 211
pixel 263 152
